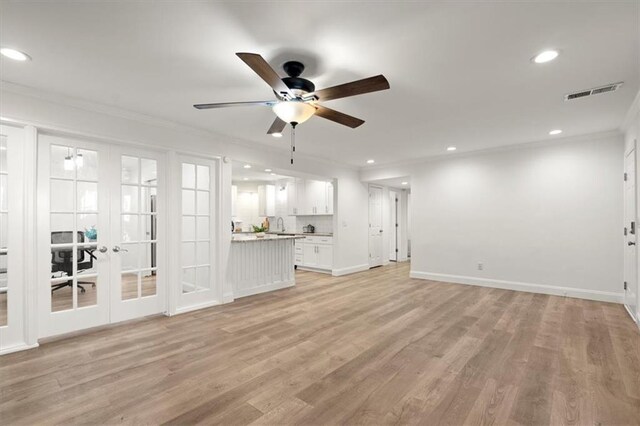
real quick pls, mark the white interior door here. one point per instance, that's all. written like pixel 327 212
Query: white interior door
pixel 375 226
pixel 138 270
pixel 100 234
pixel 630 248
pixel 73 234
pixel 12 264
pixel 393 226
pixel 197 250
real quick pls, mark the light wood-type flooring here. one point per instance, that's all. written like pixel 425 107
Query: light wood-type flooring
pixel 370 348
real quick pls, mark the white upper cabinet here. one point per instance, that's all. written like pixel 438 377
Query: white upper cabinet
pixel 295 197
pixel 316 197
pixel 309 197
pixel 329 197
pixel 266 200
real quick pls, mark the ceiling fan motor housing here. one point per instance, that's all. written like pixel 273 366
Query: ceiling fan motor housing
pixel 294 81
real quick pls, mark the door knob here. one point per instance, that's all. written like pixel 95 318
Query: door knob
pixel 103 249
pixel 117 249
pixel 631 243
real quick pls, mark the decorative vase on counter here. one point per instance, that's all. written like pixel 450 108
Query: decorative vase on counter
pixel 260 234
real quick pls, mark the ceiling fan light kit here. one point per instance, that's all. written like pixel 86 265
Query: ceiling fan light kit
pixel 294 111
pixel 297 97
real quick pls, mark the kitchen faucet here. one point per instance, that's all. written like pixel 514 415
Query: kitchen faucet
pixel 280 219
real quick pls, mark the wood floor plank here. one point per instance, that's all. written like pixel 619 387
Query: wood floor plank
pixel 375 347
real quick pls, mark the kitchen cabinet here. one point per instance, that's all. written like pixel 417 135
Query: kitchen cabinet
pixel 315 253
pixel 295 197
pixel 266 200
pixel 309 197
pixel 329 198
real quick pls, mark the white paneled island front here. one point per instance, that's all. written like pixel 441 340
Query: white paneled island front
pixel 258 265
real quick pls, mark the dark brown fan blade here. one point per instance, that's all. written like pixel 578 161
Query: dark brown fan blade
pixel 338 117
pixel 358 87
pixel 277 126
pixel 235 104
pixel 264 70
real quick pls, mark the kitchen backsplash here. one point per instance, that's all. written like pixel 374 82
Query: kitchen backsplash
pixel 323 224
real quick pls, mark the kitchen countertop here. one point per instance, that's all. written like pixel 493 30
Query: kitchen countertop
pixel 303 234
pixel 243 238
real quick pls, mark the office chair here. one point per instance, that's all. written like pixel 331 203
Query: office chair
pixel 62 258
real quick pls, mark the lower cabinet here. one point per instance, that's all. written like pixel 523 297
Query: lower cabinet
pixel 314 252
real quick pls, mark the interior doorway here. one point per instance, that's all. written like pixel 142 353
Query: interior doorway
pixel 630 235
pixel 375 226
pixel 101 234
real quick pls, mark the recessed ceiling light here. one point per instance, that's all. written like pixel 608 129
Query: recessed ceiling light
pixel 555 132
pixel 371 161
pixel 272 174
pixel 546 56
pixel 245 178
pixel 404 183
pixel 14 54
pixel 276 135
pixel 451 148
pixel 247 166
pixel 267 170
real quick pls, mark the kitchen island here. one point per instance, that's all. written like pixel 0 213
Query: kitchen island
pixel 258 265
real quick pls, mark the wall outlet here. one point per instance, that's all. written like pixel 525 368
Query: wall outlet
pixel 480 266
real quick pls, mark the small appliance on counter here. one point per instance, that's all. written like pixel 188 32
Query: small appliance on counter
pixel 309 229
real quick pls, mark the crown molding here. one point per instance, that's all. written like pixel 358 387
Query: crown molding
pixel 94 107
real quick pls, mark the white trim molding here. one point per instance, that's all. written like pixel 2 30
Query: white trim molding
pixel 350 270
pixel 580 293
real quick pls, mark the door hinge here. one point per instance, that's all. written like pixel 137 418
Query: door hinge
pixel 625 176
pixel 396 250
pixel 625 231
pixel 625 285
pixel 632 231
pixel 396 225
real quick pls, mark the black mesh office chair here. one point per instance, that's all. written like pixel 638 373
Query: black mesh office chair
pixel 62 258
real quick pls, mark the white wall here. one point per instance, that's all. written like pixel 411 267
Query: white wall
pixel 544 218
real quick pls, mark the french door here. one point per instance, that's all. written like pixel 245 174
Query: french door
pixel 101 234
pixel 12 265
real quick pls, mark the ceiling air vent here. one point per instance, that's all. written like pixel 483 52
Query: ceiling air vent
pixel 595 91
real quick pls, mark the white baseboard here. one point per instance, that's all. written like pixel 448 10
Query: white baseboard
pixel 580 293
pixel 264 288
pixel 349 270
pixel 228 297
pixel 17 348
pixel 633 317
pixel 309 268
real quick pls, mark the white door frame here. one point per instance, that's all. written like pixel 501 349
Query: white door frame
pixel 631 292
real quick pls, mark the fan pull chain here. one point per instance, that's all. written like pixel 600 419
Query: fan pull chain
pixel 293 140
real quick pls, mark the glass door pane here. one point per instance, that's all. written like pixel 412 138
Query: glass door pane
pixel 74 227
pixel 196 216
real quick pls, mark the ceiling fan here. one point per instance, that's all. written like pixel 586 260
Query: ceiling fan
pixel 297 98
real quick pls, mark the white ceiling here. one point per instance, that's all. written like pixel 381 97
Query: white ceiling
pixel 460 73
pixel 255 173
